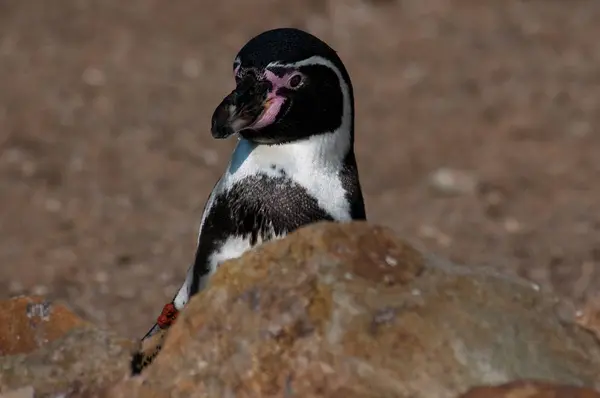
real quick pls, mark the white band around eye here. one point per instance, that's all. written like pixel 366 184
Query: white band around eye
pixel 344 86
pixel 295 80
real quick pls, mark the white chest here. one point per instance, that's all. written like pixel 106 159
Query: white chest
pixel 311 164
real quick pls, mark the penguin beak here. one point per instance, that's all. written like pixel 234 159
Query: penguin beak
pixel 241 109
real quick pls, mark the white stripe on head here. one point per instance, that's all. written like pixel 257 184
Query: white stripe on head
pixel 344 129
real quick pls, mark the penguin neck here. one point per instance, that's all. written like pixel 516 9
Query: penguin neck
pixel 321 152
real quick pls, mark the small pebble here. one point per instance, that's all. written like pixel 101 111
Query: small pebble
pixel 579 129
pixel 52 205
pixel 414 74
pixel 93 77
pixel 128 293
pixel 446 181
pixel 431 232
pixel 40 290
pixel 13 155
pixel 28 168
pixel 392 262
pixel 512 226
pixel 101 277
pixel 210 156
pixel 191 68
pixel 165 276
pixel 15 287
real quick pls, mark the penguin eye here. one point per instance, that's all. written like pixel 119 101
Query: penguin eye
pixel 296 80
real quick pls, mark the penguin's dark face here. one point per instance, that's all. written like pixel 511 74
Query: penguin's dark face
pixel 289 86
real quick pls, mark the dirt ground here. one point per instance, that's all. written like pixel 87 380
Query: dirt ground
pixel 106 158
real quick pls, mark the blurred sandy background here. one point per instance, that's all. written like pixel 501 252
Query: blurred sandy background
pixel 477 136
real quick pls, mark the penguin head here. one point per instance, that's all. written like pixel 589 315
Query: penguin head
pixel 290 86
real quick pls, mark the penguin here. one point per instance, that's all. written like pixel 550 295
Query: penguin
pixel 292 111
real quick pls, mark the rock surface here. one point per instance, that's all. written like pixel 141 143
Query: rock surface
pixel 530 389
pixel 352 311
pixel 25 392
pixel 28 323
pixel 588 317
pixel 50 352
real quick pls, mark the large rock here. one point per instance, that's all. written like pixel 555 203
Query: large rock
pixel 530 389
pixel 352 311
pixel 54 353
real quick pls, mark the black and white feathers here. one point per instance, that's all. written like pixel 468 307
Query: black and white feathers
pixel 293 112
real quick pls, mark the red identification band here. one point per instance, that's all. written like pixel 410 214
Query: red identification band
pixel 167 316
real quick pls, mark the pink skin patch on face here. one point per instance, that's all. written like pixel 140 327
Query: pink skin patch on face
pixel 273 102
pixel 272 107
